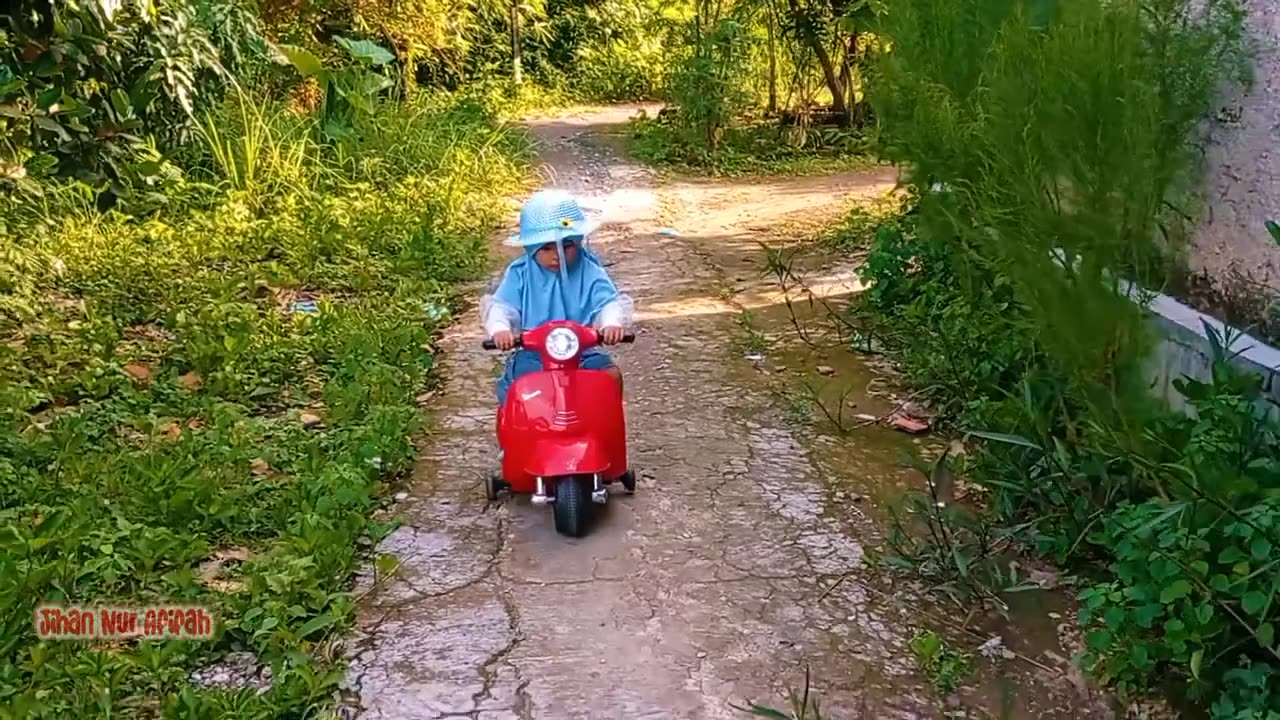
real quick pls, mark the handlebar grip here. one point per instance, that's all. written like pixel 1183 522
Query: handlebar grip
pixel 491 345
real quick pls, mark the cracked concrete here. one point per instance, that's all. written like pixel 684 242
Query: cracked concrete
pixel 729 570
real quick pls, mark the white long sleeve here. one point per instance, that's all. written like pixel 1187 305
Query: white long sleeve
pixel 497 316
pixel 618 313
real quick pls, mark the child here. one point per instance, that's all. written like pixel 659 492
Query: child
pixel 558 278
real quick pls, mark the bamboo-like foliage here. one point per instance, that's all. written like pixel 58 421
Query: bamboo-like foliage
pixel 1059 134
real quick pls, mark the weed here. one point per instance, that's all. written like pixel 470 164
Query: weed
pixel 755 340
pixel 955 548
pixel 797 408
pixel 945 667
pixel 803 705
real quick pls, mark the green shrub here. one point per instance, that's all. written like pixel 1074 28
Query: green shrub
pixel 1183 522
pixel 708 86
pixel 153 373
pixel 956 328
pixel 1031 129
pixel 1251 694
pixel 1193 591
pixel 83 84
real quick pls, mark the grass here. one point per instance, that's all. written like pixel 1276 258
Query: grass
pixel 202 403
pixel 751 150
pixel 753 341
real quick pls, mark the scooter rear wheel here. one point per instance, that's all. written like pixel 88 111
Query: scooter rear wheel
pixel 572 506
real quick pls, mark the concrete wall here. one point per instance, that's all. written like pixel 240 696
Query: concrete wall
pixel 1185 351
pixel 1242 189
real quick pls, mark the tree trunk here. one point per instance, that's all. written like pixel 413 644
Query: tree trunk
pixel 838 103
pixel 517 70
pixel 773 62
pixel 850 60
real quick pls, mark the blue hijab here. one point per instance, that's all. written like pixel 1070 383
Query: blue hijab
pixel 576 293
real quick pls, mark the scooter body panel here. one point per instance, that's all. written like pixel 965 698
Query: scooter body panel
pixel 562 422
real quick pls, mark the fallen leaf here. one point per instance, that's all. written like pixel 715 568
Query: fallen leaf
pixel 309 419
pixel 826 370
pixel 424 397
pixel 191 380
pixel 195 423
pixel 908 424
pixel 138 371
pixel 1043 578
pixel 224 586
pixel 260 467
pixel 173 431
pixel 211 570
pixel 239 553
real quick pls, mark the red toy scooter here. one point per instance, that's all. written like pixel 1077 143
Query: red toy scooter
pixel 562 430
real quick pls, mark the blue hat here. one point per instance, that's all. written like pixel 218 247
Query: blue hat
pixel 550 216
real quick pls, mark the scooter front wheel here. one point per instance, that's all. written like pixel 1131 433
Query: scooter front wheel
pixel 572 506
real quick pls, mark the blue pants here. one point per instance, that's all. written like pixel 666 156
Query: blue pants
pixel 523 362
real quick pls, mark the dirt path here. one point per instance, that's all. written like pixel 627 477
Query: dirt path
pixel 707 586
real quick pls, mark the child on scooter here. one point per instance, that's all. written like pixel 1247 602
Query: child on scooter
pixel 557 278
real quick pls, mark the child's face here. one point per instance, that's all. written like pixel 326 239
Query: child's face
pixel 549 259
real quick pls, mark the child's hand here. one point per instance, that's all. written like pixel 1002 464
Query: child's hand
pixel 612 335
pixel 504 340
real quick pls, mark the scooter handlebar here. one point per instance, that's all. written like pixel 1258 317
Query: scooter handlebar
pixel 489 344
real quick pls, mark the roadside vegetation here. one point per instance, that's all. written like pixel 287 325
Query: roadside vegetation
pixel 1049 155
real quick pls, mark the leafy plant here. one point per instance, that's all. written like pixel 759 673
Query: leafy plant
pixel 954 547
pixel 1250 693
pixel 350 90
pixel 82 84
pixel 945 667
pixel 1007 277
pixel 956 327
pixel 1190 589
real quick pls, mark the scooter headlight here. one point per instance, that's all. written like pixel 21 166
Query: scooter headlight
pixel 562 344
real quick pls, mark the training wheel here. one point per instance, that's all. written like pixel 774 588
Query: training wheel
pixel 492 484
pixel 628 481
